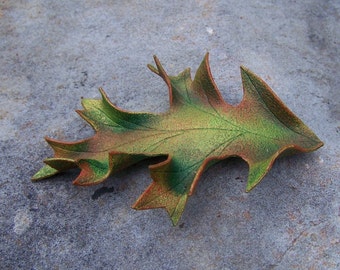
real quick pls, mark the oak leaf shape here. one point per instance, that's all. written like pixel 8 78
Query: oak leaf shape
pixel 199 130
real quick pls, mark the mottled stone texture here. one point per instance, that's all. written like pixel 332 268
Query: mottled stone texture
pixel 54 52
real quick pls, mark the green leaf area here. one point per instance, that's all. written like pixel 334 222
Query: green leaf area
pixel 199 129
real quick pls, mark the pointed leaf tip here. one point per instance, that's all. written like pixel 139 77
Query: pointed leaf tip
pixel 45 172
pixel 204 85
pixel 156 197
pixel 153 69
pixel 257 173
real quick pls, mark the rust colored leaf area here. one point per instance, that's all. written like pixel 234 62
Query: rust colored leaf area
pixel 199 130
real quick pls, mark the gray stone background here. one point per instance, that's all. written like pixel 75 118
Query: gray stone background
pixel 55 52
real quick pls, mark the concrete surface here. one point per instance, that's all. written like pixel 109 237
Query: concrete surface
pixel 55 52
